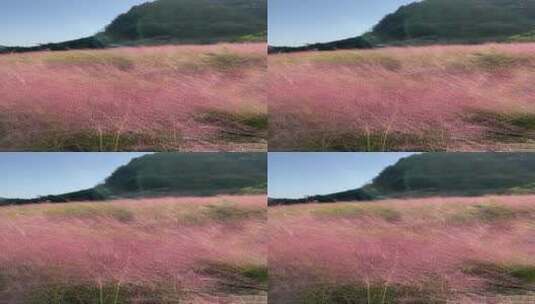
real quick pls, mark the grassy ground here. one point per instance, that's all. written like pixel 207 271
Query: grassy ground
pixel 436 250
pixel 438 98
pixel 171 98
pixel 169 250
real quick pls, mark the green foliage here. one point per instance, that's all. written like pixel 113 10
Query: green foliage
pixel 120 214
pixel 257 273
pixel 120 62
pixel 255 120
pixel 257 189
pixel 245 276
pixel 189 174
pixel 487 214
pixel 524 121
pixel 377 293
pixel 494 61
pixel 525 273
pixel 373 141
pixel 259 37
pixel 354 211
pixel 90 293
pixel 456 21
pixel 194 21
pixel 503 277
pixel 232 61
pixel 457 173
pixel 231 213
pixel 526 37
pixel 91 141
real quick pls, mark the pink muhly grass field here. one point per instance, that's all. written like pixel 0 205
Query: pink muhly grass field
pixel 168 250
pixel 434 98
pixel 177 98
pixel 435 250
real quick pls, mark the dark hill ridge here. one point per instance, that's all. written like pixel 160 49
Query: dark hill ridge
pixel 445 22
pixel 175 22
pixel 443 174
pixel 174 174
pixel 463 21
pixel 194 21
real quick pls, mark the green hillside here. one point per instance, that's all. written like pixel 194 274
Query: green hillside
pixel 456 174
pixel 195 21
pixel 190 174
pixel 443 174
pixel 174 174
pixel 460 21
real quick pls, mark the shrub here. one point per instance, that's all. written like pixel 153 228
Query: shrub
pixel 503 277
pixel 92 211
pixel 230 61
pixel 231 213
pixel 493 61
pixel 353 211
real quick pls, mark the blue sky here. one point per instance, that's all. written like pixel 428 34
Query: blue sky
pixel 30 22
pixel 295 175
pixel 28 175
pixel 299 22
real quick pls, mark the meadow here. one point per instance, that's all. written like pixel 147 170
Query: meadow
pixel 430 98
pixel 431 250
pixel 148 251
pixel 161 98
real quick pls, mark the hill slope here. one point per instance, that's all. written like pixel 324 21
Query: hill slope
pixel 457 174
pixel 189 174
pixel 463 21
pixel 175 21
pixel 175 174
pixel 444 21
pixel 444 174
pixel 196 21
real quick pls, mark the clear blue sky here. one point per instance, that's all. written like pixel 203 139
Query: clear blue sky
pixel 299 22
pixel 28 175
pixel 30 22
pixel 295 175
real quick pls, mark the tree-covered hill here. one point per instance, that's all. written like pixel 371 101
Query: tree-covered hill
pixel 195 21
pixel 174 174
pixel 462 21
pixel 456 174
pixel 190 174
pixel 444 174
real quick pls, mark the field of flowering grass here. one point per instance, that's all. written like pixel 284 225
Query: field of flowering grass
pixel 168 98
pixel 167 250
pixel 432 251
pixel 434 98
